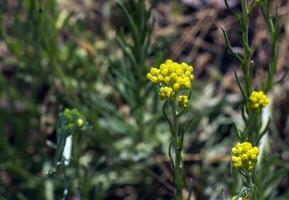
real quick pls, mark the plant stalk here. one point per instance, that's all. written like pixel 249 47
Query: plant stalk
pixel 178 165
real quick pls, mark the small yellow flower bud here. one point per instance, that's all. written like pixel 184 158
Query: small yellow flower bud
pixel 257 101
pixel 80 122
pixel 183 101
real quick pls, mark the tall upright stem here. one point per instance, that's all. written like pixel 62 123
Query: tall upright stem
pixel 178 173
pixel 178 144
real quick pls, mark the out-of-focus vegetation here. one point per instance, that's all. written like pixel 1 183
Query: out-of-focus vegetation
pixel 93 56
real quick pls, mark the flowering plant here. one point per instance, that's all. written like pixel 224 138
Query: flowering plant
pixel 175 82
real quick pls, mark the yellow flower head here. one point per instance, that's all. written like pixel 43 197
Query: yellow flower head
pixel 257 101
pixel 244 156
pixel 172 77
pixel 183 101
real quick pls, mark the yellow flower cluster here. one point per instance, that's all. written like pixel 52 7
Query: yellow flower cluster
pixel 257 101
pixel 172 77
pixel 244 156
pixel 166 92
pixel 183 101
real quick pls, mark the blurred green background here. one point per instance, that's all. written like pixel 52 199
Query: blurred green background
pixel 93 56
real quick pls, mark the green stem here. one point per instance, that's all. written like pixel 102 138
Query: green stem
pixel 246 63
pixel 178 144
pixel 178 174
pixel 253 188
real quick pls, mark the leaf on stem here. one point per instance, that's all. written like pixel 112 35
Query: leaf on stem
pixel 266 128
pixel 228 44
pixel 170 153
pixel 129 18
pixel 240 86
pixel 238 132
pixel 166 104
